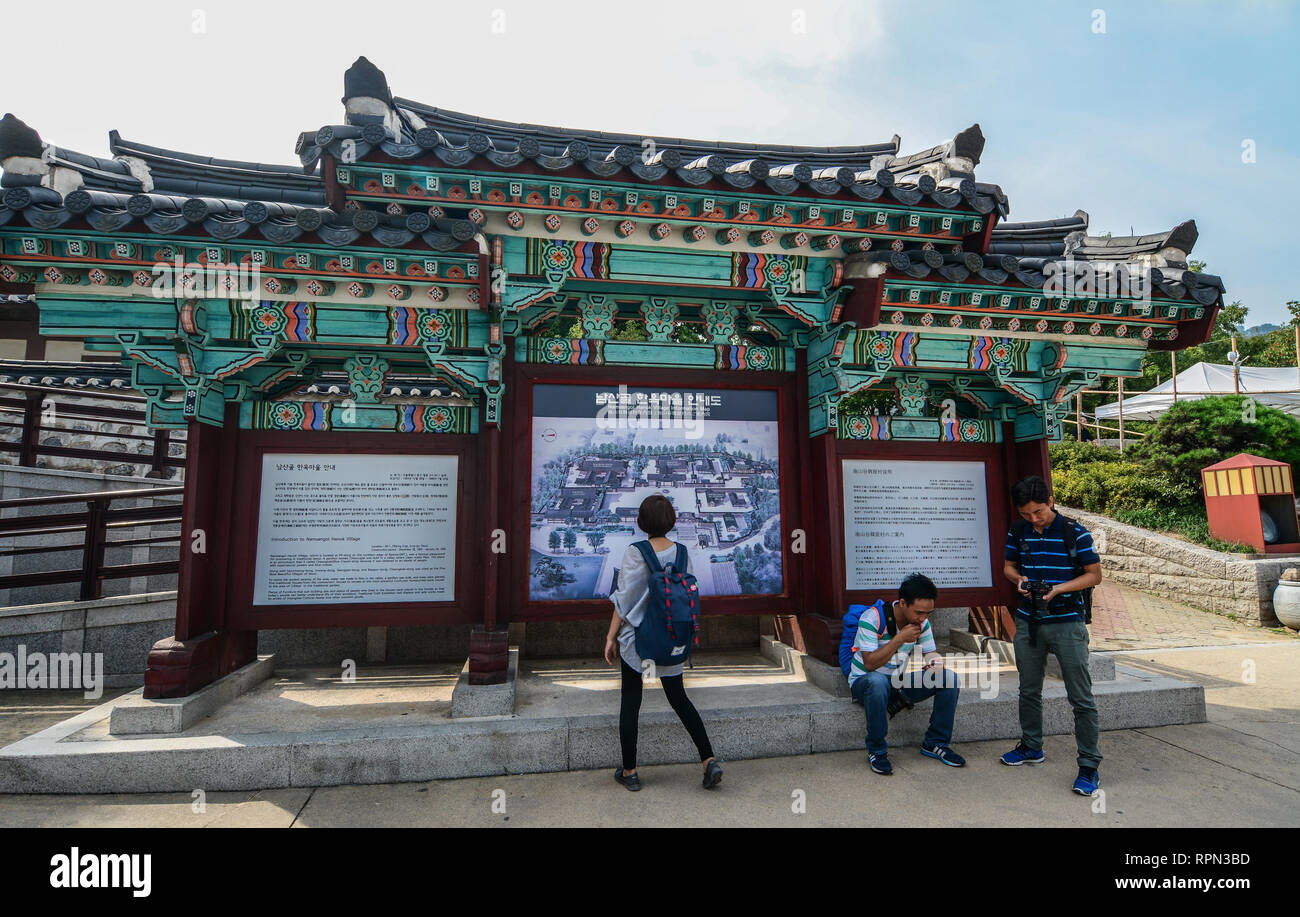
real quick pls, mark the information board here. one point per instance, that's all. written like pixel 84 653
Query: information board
pixel 599 450
pixel 903 517
pixel 336 529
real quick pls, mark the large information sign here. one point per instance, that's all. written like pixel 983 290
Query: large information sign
pixel 903 517
pixel 600 450
pixel 356 528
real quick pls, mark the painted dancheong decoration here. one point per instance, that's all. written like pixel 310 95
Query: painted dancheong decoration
pixel 432 237
pixel 415 261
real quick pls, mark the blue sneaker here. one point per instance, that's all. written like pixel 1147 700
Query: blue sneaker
pixel 1087 782
pixel 1022 754
pixel 880 764
pixel 945 754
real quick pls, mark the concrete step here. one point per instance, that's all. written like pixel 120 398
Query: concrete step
pixel 301 730
pixel 1101 668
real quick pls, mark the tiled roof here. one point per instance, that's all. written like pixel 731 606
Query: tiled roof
pixel 166 192
pixel 117 377
pixel 102 376
pixel 404 129
pixel 1023 253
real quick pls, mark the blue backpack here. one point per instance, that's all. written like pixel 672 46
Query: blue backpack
pixel 670 626
pixel 850 633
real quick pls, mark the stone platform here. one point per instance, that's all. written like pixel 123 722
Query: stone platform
pixel 307 727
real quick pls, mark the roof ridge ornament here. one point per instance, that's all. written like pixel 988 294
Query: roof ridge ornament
pixel 28 162
pixel 364 80
pixel 367 100
pixel 139 169
pixel 18 139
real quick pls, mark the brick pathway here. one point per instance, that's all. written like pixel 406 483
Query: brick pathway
pixel 1124 618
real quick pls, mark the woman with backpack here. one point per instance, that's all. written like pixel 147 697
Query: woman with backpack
pixel 631 598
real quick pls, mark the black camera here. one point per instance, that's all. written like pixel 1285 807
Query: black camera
pixel 1038 594
pixel 897 703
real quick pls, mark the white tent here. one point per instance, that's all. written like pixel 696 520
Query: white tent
pixel 1277 387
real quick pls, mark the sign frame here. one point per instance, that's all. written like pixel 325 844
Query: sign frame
pixel 523 608
pixel 466 608
pixel 896 470
pixel 992 455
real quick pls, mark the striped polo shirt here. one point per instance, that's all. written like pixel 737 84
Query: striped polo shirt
pixel 873 634
pixel 1048 561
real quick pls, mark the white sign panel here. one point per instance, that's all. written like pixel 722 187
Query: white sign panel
pixel 915 517
pixel 356 528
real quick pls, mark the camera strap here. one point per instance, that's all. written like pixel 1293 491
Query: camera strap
pixel 1035 617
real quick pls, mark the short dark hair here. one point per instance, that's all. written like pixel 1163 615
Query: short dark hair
pixel 657 516
pixel 917 586
pixel 1032 489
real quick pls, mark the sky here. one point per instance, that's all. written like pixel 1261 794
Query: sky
pixel 1144 114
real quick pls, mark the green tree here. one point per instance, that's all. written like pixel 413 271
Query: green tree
pixel 629 329
pixel 554 540
pixel 1194 434
pixel 1230 320
pixel 551 574
pixel 685 333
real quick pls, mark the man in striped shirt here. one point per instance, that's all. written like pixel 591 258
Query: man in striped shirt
pixel 1041 551
pixel 882 650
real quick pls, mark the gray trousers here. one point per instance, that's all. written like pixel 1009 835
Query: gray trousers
pixel 1068 642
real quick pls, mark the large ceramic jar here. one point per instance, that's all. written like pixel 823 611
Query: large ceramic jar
pixel 1286 600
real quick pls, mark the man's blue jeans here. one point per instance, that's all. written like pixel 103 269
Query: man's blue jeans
pixel 873 690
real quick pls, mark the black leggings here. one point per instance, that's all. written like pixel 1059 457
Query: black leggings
pixel 631 709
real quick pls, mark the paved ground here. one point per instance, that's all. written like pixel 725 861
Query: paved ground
pixel 1242 768
pixel 1126 619
pixel 24 713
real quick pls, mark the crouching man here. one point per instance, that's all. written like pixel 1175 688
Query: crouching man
pixel 886 637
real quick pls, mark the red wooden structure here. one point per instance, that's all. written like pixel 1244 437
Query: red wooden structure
pixel 1238 490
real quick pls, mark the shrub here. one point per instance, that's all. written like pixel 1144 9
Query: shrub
pixel 1108 487
pixel 1069 454
pixel 1190 524
pixel 1194 434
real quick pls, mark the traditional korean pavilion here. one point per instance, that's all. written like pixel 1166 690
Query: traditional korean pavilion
pixel 420 276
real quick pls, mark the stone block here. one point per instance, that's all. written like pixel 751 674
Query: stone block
pixel 469 700
pixel 471 748
pixel 314 646
pixel 827 677
pixel 138 715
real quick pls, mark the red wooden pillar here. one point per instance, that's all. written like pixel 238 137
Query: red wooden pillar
pixel 820 624
pixel 203 648
pixel 1020 461
pixel 489 644
pixel 1031 458
pixel 812 624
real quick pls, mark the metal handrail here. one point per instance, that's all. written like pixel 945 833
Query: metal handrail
pixel 95 522
pixel 174 491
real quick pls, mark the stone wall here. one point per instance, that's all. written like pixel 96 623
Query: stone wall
pixel 1235 584
pixel 79 433
pixel 123 628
